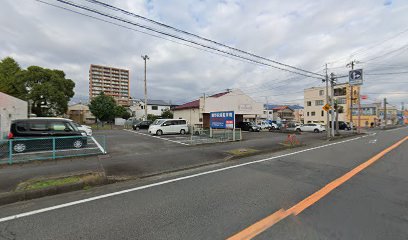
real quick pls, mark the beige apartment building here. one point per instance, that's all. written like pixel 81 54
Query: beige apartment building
pixel 315 99
pixel 111 81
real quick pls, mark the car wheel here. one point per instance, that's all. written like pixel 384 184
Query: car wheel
pixel 78 143
pixel 182 131
pixel 298 130
pixel 159 132
pixel 273 127
pixel 134 128
pixel 251 130
pixel 137 128
pixel 316 131
pixel 19 147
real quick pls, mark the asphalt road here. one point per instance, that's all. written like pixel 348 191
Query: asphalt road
pixel 217 204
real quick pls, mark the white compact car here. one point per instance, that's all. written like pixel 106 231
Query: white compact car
pixel 86 129
pixel 311 127
pixel 168 126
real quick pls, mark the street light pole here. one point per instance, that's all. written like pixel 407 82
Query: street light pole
pixel 145 58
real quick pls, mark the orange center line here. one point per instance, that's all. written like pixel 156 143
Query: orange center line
pixel 262 225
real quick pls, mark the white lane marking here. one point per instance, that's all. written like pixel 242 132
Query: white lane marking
pixel 30 213
pixel 99 145
pixel 373 141
pixel 166 139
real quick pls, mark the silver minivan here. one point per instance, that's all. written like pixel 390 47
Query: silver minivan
pixel 168 126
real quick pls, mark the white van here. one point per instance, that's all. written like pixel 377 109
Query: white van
pixel 168 126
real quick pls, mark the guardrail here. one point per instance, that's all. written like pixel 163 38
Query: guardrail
pixel 29 149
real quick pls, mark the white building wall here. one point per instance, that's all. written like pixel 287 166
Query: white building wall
pixel 236 101
pixel 11 108
pixel 192 115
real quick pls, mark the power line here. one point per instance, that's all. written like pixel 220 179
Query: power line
pixel 386 73
pixel 197 36
pixel 306 73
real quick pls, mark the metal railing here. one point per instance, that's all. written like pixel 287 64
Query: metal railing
pixel 29 149
pixel 200 135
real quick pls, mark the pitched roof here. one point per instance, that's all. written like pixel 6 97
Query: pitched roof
pixel 196 103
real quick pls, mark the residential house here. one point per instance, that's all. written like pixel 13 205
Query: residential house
pixel 80 113
pixel 154 107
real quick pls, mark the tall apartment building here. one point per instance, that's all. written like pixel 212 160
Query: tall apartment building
pixel 315 99
pixel 111 81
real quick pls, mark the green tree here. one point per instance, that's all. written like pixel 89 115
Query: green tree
pixel 103 107
pixel 122 112
pixel 9 83
pixel 167 114
pixel 48 90
pixel 152 117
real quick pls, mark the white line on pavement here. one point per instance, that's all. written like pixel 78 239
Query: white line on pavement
pixel 99 145
pixel 62 150
pixel 166 139
pixel 30 213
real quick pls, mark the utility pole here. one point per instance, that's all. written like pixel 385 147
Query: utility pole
pixel 351 94
pixel 267 109
pixel 385 112
pixel 145 58
pixel 332 83
pixel 327 101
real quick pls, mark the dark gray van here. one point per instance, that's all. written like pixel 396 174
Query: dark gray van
pixel 37 134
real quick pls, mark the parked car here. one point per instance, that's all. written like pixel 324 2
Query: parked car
pixel 84 128
pixel 311 127
pixel 37 134
pixel 142 125
pixel 248 126
pixel 168 126
pixel 292 126
pixel 264 125
pixel 342 125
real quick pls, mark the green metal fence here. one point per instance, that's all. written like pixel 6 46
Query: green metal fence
pixel 28 149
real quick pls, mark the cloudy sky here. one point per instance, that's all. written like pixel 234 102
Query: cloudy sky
pixel 303 33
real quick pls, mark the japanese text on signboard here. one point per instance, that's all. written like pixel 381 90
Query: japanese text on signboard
pixel 222 120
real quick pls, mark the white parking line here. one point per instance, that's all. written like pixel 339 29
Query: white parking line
pixel 99 145
pixel 30 213
pixel 166 139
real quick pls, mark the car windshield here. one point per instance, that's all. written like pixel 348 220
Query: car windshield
pixel 158 122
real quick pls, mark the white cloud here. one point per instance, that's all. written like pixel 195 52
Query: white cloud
pixel 302 33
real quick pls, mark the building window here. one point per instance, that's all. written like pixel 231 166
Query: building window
pixel 308 114
pixel 200 120
pixel 319 102
pixel 341 101
pixel 155 108
pixel 313 113
pixel 321 92
pixel 309 103
pixel 340 91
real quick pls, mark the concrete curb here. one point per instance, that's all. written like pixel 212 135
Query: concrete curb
pixel 12 197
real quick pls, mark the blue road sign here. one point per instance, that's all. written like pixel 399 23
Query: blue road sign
pixel 356 77
pixel 222 120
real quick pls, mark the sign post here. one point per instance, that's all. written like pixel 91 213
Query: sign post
pixel 356 79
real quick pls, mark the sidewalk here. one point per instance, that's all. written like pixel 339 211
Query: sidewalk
pixel 148 159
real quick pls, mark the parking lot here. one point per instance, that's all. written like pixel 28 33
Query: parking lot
pixel 136 154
